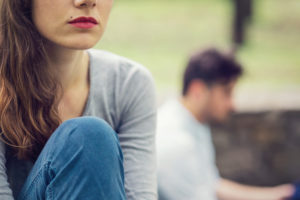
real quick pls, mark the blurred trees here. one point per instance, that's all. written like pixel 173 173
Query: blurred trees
pixel 243 12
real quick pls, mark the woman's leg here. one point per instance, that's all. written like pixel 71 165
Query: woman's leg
pixel 81 160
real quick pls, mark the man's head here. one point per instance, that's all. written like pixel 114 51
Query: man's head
pixel 208 84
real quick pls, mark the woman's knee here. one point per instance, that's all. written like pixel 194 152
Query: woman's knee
pixel 88 129
pixel 89 134
pixel 82 150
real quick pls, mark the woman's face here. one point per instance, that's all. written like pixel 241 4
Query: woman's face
pixel 76 24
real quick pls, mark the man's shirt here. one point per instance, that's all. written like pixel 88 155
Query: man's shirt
pixel 186 156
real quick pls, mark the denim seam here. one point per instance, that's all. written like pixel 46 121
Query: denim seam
pixel 50 188
pixel 46 166
pixel 50 193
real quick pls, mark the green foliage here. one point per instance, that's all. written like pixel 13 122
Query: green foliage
pixel 162 33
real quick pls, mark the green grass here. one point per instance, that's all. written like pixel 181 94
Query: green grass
pixel 161 34
pixel 271 55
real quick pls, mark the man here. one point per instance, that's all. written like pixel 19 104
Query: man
pixel 186 157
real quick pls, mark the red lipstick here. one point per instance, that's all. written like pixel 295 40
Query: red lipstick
pixel 84 22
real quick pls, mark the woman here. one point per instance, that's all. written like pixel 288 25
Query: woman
pixel 52 96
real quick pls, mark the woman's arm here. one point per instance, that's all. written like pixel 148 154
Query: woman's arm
pixel 234 191
pixel 137 134
pixel 5 191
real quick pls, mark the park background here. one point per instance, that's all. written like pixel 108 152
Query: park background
pixel 260 144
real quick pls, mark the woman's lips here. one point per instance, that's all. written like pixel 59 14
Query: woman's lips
pixel 84 22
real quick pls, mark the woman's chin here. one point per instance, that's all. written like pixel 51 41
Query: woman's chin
pixel 74 41
pixel 78 44
pixel 72 45
pixel 81 47
pixel 77 47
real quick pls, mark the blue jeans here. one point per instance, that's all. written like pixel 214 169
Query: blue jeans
pixel 81 160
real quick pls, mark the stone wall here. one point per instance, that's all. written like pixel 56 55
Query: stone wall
pixel 261 148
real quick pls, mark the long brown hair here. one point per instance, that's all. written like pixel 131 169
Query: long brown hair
pixel 28 91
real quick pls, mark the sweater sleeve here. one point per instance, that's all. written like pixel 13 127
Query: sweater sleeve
pixel 137 134
pixel 5 191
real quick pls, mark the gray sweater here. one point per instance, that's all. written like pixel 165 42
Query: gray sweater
pixel 121 93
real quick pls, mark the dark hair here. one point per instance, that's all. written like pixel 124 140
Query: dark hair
pixel 28 89
pixel 210 66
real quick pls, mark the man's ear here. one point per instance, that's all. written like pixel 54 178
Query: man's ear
pixel 197 88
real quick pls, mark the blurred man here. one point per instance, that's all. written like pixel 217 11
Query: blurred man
pixel 186 157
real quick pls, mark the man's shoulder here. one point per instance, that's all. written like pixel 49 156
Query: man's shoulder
pixel 169 109
pixel 172 137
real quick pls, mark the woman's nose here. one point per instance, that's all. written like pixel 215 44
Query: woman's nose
pixel 85 3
